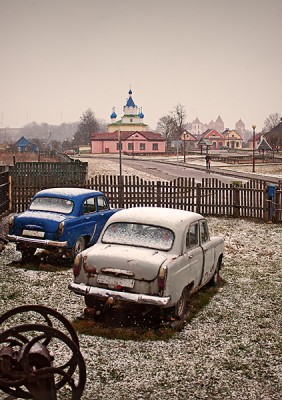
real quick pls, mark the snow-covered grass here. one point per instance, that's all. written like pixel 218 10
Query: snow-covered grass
pixel 230 350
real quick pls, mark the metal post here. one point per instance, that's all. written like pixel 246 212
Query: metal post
pixel 119 146
pixel 254 145
pixel 184 146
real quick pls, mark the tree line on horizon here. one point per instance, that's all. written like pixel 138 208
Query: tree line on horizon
pixel 72 135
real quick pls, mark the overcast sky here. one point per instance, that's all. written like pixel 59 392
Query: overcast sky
pixel 215 57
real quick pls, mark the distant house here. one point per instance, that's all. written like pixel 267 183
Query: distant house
pixel 274 136
pixel 189 139
pixel 256 139
pixel 216 139
pixel 132 142
pixel 129 132
pixel 24 145
pixel 232 139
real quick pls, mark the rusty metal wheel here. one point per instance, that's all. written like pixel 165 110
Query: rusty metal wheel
pixel 30 369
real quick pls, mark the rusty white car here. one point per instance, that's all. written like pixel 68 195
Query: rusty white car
pixel 149 255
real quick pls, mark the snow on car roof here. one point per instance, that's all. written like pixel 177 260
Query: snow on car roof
pixel 167 217
pixel 68 192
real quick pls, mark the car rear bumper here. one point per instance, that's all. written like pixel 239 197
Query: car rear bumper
pixel 102 293
pixel 37 242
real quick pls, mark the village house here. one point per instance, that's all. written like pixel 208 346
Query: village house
pixel 129 134
pixel 274 136
pixel 232 139
pixel 216 138
pixel 24 145
pixel 256 138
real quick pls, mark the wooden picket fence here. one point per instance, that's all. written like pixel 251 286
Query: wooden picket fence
pixel 29 177
pixel 211 197
pixel 4 190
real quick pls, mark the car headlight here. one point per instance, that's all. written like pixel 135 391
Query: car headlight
pixel 11 221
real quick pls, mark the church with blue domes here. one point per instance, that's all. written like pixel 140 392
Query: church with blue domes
pixel 132 119
pixel 129 133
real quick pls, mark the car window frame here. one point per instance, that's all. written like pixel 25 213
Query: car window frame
pixel 188 236
pixel 205 231
pixel 106 203
pixel 87 203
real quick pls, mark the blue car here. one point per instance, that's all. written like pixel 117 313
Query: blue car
pixel 66 220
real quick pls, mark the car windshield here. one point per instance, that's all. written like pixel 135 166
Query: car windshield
pixel 150 236
pixel 53 204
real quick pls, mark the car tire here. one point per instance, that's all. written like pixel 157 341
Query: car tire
pixel 79 246
pixel 180 307
pixel 216 277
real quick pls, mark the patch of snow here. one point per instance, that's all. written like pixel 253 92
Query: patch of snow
pixel 231 350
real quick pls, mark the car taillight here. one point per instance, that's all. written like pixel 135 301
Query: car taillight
pixel 77 264
pixel 90 269
pixel 11 221
pixel 162 278
pixel 61 228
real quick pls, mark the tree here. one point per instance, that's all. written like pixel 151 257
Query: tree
pixel 87 125
pixel 270 122
pixel 273 131
pixel 173 125
pixel 166 127
pixel 179 117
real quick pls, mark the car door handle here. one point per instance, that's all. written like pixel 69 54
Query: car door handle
pixel 190 256
pixel 86 217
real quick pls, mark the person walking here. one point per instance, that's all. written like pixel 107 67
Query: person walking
pixel 208 161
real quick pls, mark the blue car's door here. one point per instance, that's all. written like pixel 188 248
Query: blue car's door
pixel 96 213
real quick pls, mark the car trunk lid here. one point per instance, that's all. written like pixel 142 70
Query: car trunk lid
pixel 39 220
pixel 125 261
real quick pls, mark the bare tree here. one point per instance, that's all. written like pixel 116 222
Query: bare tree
pixel 87 125
pixel 173 125
pixel 179 117
pixel 270 122
pixel 166 126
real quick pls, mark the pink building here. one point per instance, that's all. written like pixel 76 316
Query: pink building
pixel 131 131
pixel 216 138
pixel 132 142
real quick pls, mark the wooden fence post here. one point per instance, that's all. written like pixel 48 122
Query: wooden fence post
pixel 265 205
pixel 278 203
pixel 236 200
pixel 159 196
pixel 198 198
pixel 120 192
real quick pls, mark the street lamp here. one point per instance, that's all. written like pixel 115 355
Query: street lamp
pixel 119 146
pixel 254 145
pixel 184 145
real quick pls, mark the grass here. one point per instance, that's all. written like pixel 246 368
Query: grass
pixel 130 324
pixel 44 261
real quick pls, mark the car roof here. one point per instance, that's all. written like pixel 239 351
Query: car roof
pixel 67 192
pixel 166 217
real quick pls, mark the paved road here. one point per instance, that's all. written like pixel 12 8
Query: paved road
pixel 171 170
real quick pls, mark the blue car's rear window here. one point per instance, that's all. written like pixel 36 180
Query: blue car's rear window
pixel 52 204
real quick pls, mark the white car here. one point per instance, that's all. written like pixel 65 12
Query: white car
pixel 149 255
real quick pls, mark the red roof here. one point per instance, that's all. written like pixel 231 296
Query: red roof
pixel 124 135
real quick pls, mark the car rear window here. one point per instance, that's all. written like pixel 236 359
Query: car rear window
pixel 52 204
pixel 150 236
